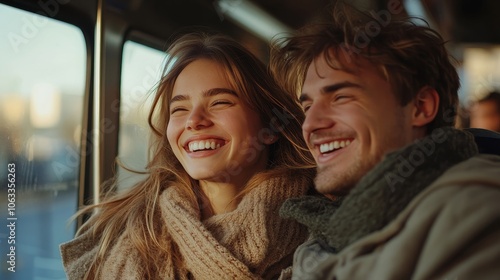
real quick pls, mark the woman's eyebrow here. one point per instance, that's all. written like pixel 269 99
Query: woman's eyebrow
pixel 179 97
pixel 215 91
pixel 207 93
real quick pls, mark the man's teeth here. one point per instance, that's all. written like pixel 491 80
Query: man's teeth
pixel 328 147
pixel 203 145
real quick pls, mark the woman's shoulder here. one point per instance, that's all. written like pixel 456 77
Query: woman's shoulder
pixel 78 254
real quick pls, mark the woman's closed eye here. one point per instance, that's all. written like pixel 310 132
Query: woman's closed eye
pixel 222 102
pixel 176 110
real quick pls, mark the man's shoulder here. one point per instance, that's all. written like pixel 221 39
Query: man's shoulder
pixel 473 182
pixel 482 169
pixel 452 215
pixel 455 201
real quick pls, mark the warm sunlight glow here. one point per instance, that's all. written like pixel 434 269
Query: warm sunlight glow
pixel 45 106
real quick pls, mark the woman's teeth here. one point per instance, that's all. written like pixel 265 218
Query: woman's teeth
pixel 203 145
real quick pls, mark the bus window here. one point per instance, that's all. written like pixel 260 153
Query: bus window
pixel 141 70
pixel 42 85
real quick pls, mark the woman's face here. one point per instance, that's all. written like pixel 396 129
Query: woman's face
pixel 213 133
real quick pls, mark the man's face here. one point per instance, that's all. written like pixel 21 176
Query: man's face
pixel 352 119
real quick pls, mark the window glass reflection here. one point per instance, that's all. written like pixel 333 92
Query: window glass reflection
pixel 141 71
pixel 42 70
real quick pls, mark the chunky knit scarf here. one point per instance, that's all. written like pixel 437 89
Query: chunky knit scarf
pixel 251 242
pixel 384 192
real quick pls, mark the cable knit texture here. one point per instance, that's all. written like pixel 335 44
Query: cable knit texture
pixel 251 242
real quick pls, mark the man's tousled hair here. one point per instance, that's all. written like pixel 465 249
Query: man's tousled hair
pixel 409 56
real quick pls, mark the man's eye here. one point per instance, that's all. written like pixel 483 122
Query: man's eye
pixel 342 97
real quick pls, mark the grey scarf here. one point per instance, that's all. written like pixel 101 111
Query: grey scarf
pixel 382 193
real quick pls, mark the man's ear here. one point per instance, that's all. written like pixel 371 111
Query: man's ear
pixel 426 106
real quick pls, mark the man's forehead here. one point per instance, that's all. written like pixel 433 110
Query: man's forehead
pixel 335 60
pixel 321 76
pixel 349 63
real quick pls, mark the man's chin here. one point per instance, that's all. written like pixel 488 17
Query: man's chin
pixel 340 181
pixel 329 186
pixel 335 182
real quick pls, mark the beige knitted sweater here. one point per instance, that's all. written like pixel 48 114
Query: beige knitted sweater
pixel 251 242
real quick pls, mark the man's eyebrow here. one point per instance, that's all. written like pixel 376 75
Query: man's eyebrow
pixel 207 93
pixel 330 89
pixel 333 88
pixel 303 97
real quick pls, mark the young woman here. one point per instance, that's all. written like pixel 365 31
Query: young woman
pixel 227 152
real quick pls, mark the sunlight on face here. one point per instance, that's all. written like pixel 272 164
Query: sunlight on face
pixel 213 133
pixel 352 120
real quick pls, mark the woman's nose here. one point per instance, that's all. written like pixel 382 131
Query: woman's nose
pixel 198 119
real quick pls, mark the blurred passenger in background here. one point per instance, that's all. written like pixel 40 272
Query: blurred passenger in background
pixel 485 112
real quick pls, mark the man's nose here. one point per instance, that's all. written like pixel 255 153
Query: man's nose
pixel 318 116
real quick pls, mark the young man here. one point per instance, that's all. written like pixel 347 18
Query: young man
pixel 408 196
